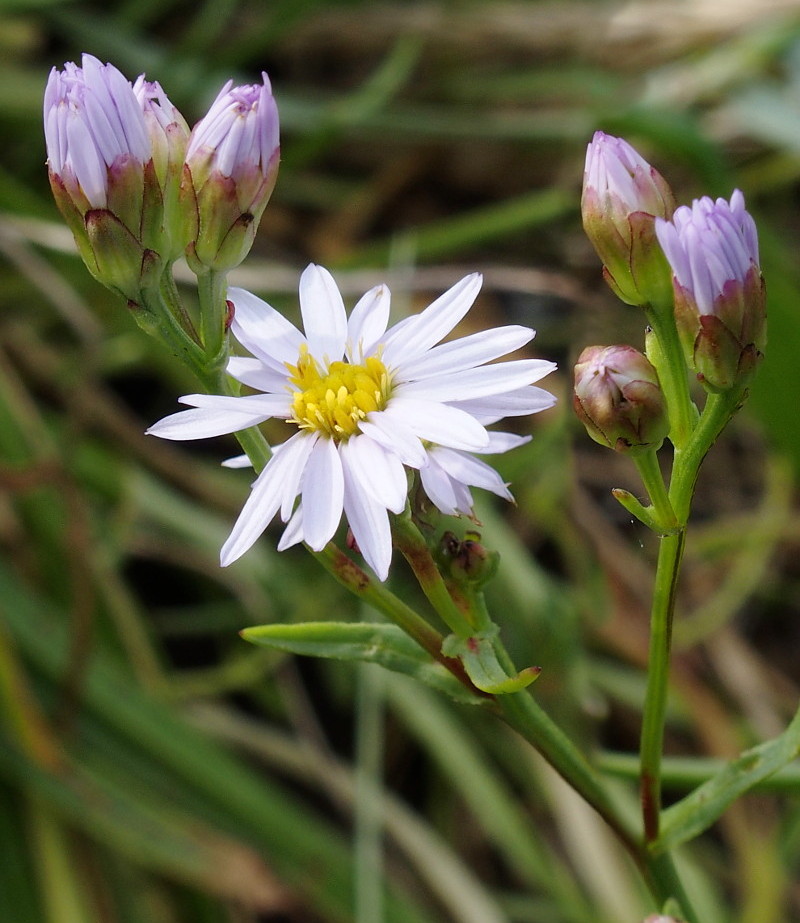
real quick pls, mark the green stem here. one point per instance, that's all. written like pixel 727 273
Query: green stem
pixel 522 712
pixel 655 703
pixel 159 318
pixel 371 591
pixel 717 412
pixel 650 473
pixel 667 888
pixel 664 350
pixel 411 544
pixel 170 294
pixel 211 290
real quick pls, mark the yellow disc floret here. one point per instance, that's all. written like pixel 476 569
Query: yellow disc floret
pixel 336 402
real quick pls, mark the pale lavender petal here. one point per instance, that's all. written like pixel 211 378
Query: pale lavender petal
pixel 383 472
pixel 439 489
pixel 267 405
pixel 293 533
pixel 438 423
pixel 299 449
pixel 263 503
pixel 85 161
pixel 263 331
pixel 255 374
pixel 407 341
pixel 203 423
pixel 239 131
pixel 514 404
pixel 396 437
pixel 368 520
pixel 498 378
pixel 237 461
pixel 324 316
pixel 463 467
pixel 367 323
pixel 466 352
pixel 323 494
pixel 502 442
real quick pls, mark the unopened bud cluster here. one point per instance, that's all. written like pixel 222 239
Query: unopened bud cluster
pixel 692 268
pixel 137 189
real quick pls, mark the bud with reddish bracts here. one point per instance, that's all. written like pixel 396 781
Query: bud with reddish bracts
pixel 111 186
pixel 231 168
pixel 619 400
pixel 622 197
pixel 720 298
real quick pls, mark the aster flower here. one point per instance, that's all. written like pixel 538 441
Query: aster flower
pixel 365 403
pixel 720 299
pixel 232 165
pixel 622 196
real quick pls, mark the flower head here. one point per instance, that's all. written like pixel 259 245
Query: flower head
pixel 622 196
pixel 619 400
pixel 232 165
pixel 364 404
pixel 720 299
pixel 115 192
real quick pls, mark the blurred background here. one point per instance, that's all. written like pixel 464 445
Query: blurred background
pixel 153 766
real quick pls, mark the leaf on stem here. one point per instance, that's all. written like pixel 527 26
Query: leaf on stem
pixel 375 642
pixel 478 654
pixel 702 807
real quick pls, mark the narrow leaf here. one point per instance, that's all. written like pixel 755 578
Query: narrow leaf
pixel 702 807
pixel 384 644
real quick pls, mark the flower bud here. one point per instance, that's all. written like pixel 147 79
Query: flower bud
pixel 231 168
pixel 467 562
pixel 622 197
pixel 619 400
pixel 109 185
pixel 169 135
pixel 720 298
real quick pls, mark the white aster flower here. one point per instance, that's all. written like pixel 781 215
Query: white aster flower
pixel 365 403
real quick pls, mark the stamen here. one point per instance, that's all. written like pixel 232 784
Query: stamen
pixel 335 403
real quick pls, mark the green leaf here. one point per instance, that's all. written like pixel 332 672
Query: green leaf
pixel 374 642
pixel 702 807
pixel 479 657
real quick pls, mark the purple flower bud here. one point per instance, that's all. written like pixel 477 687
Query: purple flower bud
pixel 720 298
pixel 622 196
pixel 116 193
pixel 619 400
pixel 232 165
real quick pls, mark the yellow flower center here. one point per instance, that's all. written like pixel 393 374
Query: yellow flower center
pixel 335 403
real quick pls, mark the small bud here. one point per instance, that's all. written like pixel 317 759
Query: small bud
pixel 660 918
pixel 108 181
pixel 169 135
pixel 231 168
pixel 720 297
pixel 622 197
pixel 619 400
pixel 467 561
